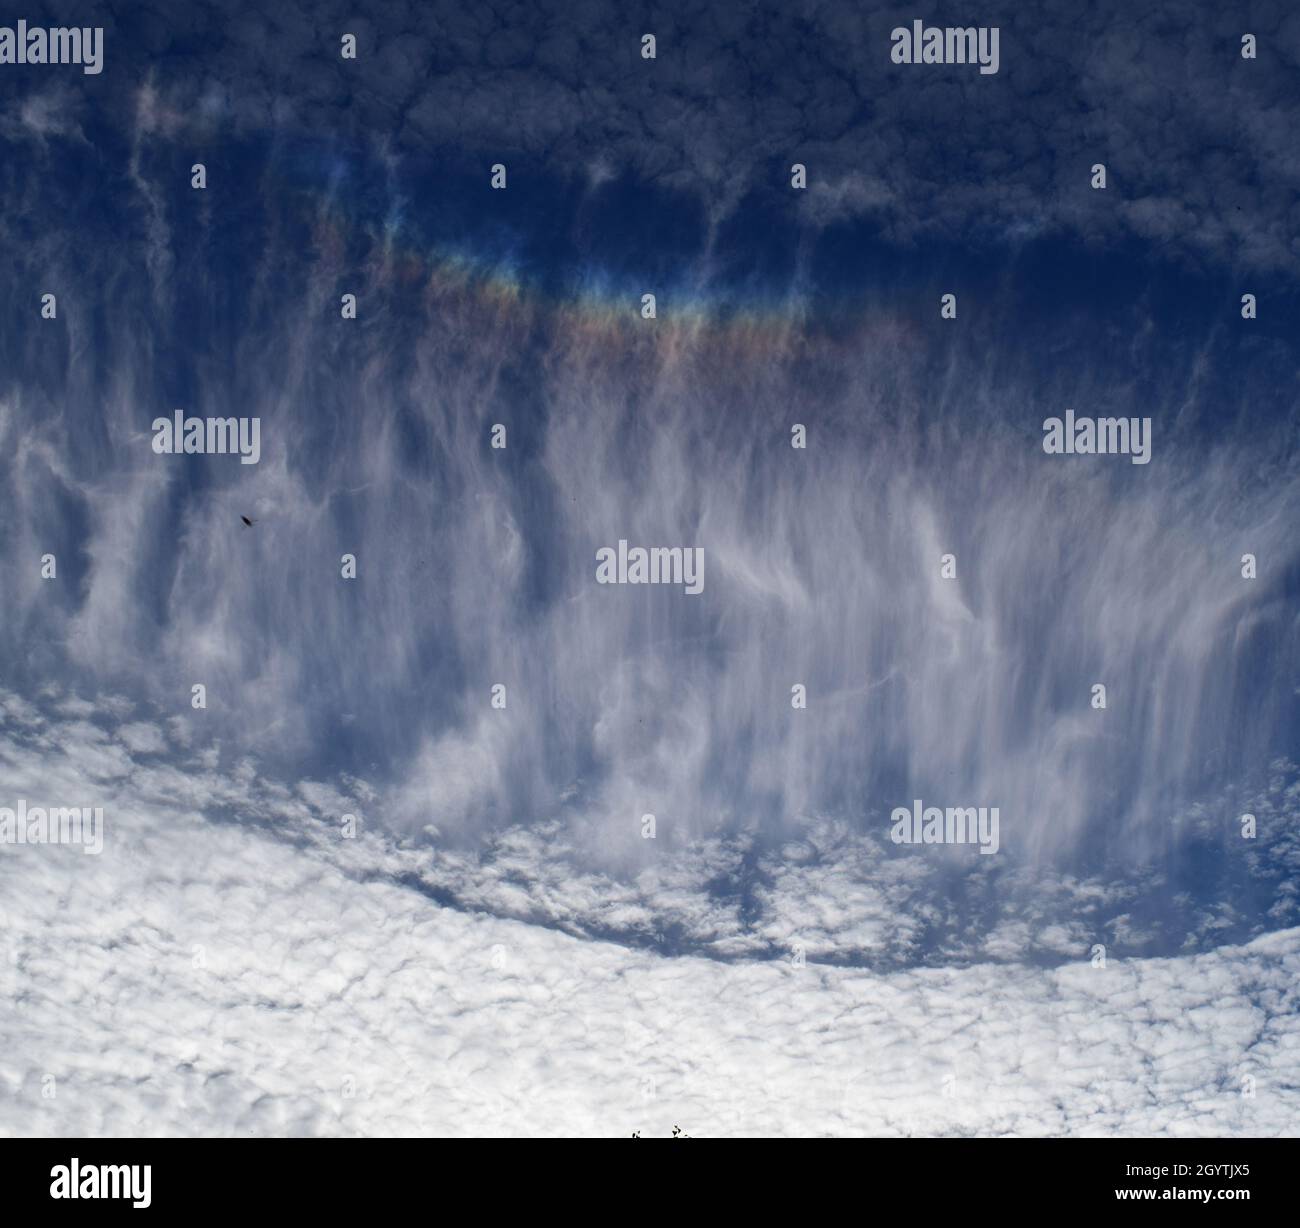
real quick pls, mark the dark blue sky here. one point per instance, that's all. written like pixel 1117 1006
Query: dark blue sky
pixel 821 306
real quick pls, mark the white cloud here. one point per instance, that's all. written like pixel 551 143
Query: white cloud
pixel 228 964
pixel 142 737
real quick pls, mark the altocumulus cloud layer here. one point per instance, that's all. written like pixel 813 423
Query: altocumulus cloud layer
pixel 238 975
pixel 500 949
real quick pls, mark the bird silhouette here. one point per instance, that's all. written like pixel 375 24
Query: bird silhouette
pixel 248 523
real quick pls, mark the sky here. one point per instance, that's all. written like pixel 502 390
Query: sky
pixel 389 870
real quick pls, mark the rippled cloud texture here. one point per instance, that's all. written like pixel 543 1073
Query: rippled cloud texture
pixel 501 949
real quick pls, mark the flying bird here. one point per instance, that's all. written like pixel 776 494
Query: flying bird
pixel 248 523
